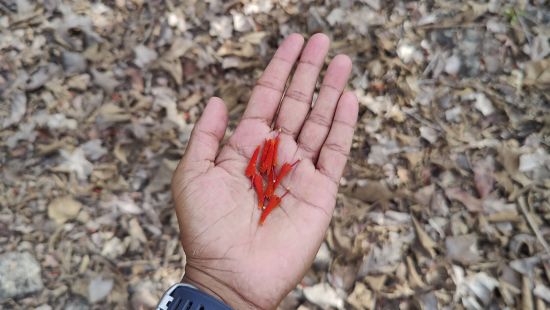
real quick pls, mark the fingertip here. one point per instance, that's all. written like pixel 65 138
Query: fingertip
pixel 294 41
pixel 320 41
pixel 342 60
pixel 316 48
pixel 321 37
pixel 338 71
pixel 296 37
pixel 207 132
pixel 216 102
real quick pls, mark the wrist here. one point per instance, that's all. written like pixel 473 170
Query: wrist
pixel 215 288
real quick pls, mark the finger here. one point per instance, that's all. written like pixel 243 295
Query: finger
pixel 297 100
pixel 318 123
pixel 268 91
pixel 334 152
pixel 207 133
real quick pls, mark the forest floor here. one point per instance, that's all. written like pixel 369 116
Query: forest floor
pixel 444 203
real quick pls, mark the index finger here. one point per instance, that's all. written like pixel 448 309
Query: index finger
pixel 269 89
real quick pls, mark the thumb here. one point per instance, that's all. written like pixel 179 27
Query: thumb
pixel 207 133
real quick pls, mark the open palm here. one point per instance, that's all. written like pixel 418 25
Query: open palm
pixel 228 253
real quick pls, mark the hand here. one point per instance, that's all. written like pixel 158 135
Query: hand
pixel 228 253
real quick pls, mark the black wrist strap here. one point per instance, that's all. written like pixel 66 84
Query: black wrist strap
pixel 186 297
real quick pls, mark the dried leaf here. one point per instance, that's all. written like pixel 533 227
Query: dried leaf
pixel 112 113
pixel 483 176
pixel 425 240
pixel 526 294
pixel 104 80
pixel 376 282
pixel 113 248
pixel 361 297
pixel 323 257
pixel 482 286
pixel 463 249
pixel 414 277
pixel 76 162
pixel 18 108
pixel 144 56
pixel 124 204
pixel 323 295
pixel 542 292
pixel 534 161
pixel 191 101
pixel 537 73
pixel 120 154
pixel 429 134
pixel 63 209
pixel 471 203
pixel 373 192
pixel 164 98
pixel 136 231
pixel 93 149
pixel 99 288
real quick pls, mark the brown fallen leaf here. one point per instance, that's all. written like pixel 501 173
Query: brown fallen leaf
pixel 112 113
pixel 483 176
pixel 425 240
pixel 424 195
pixel 361 297
pixel 537 73
pixel 120 154
pixel 323 295
pixel 526 294
pixel 135 230
pixel 463 249
pixel 376 283
pixel 509 159
pixel 414 158
pixel 190 101
pixel 235 49
pixel 414 277
pixel 63 209
pixel 471 203
pixel 373 192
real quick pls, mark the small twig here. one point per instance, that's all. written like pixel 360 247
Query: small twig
pixel 445 26
pixel 423 121
pixel 4 8
pixel 525 31
pixel 531 222
pixel 522 191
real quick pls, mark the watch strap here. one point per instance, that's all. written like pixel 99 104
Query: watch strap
pixel 186 297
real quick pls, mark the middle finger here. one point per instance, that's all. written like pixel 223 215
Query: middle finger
pixel 297 100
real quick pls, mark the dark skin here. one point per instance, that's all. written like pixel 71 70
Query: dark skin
pixel 229 255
